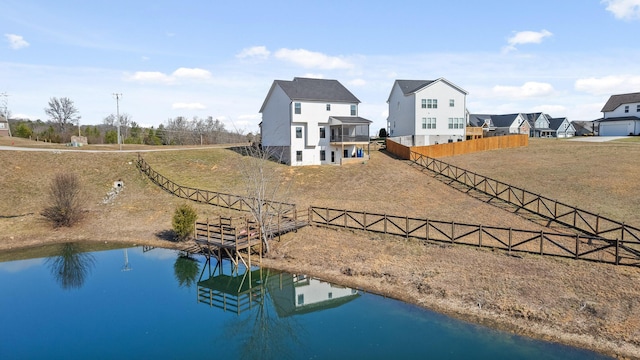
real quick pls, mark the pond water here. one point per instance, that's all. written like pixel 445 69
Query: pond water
pixel 159 304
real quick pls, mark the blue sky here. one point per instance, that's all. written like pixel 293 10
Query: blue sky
pixel 211 58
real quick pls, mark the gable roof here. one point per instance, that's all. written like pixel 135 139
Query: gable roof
pixel 617 100
pixel 503 120
pixel 478 120
pixel 554 123
pixel 307 89
pixel 409 87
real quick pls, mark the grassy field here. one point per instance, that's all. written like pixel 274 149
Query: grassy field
pixel 583 303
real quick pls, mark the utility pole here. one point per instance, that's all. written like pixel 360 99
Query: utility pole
pixel 118 96
pixel 5 103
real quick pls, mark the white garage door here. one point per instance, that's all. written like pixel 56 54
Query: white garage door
pixel 613 129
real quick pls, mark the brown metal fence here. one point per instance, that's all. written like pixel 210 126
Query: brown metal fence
pixel 525 201
pixel 211 197
pixel 584 247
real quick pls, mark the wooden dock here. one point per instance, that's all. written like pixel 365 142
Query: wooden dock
pixel 237 238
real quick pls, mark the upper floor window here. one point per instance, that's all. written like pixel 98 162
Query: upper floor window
pixel 328 107
pixel 354 110
pixel 298 108
pixel 322 133
pixel 432 103
pixel 637 108
pixel 626 108
pixel 298 132
pixel 452 102
pixel 424 103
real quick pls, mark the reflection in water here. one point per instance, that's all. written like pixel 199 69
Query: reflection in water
pixel 126 266
pixel 71 267
pixel 186 270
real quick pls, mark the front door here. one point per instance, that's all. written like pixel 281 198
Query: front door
pixel 333 156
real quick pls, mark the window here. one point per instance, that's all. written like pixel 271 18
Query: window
pixel 322 133
pixel 353 110
pixel 424 103
pixel 298 132
pixel 346 153
pixel 637 108
pixel 626 108
pixel 299 155
pixel 330 295
pixel 424 123
pixel 328 107
pixel 456 123
pixel 452 102
pixel 432 103
pixel 323 155
pixel 300 299
pixel 298 107
pixel 431 123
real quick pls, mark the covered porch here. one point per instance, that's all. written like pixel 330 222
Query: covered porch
pixel 350 134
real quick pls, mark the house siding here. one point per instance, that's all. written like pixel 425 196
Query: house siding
pixel 278 127
pixel 619 111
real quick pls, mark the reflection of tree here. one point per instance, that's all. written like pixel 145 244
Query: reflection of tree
pixel 267 335
pixel 71 267
pixel 186 270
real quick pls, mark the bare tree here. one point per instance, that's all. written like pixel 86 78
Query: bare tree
pixel 265 188
pixel 62 112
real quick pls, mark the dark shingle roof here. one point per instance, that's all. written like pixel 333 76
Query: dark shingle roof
pixel 503 120
pixel 316 89
pixel 351 119
pixel 617 100
pixel 411 86
pixel 478 120
pixel 554 123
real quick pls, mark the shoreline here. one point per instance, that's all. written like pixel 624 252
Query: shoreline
pixel 449 306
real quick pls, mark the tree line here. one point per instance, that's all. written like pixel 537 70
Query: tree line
pixel 64 122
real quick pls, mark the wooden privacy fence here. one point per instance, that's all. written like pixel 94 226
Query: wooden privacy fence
pixel 459 147
pixel 552 210
pixel 211 197
pixel 584 247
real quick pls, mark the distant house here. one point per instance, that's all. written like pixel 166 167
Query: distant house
pixel 585 128
pixel 426 112
pixel 496 125
pixel 621 115
pixel 540 124
pixel 4 126
pixel 562 128
pixel 313 122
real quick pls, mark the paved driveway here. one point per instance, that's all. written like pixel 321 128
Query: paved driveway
pixel 596 138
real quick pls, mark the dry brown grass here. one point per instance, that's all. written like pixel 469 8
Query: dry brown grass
pixel 588 304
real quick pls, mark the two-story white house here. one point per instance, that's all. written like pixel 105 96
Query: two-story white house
pixel 313 122
pixel 621 115
pixel 426 112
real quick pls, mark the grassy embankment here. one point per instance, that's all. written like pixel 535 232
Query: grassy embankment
pixel 582 303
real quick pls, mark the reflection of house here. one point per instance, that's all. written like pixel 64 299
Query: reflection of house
pixel 621 115
pixel 313 122
pixel 236 293
pixel 4 126
pixel 426 112
pixel 298 294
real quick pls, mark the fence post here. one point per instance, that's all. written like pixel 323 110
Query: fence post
pixel 510 236
pixel 327 218
pixel 427 229
pixel 453 231
pixel 577 246
pixel 385 223
pixel 364 221
pixel 541 242
pixel 598 224
pixel 480 236
pixel 617 252
pixel 406 229
pixel 345 218
pixel 310 215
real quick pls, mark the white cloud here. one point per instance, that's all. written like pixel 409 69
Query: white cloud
pixel 150 76
pixel 358 82
pixel 608 85
pixel 192 73
pixel 623 9
pixel 16 41
pixel 313 76
pixel 188 106
pixel 526 37
pixel 311 59
pixel 180 73
pixel 527 90
pixel 258 52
